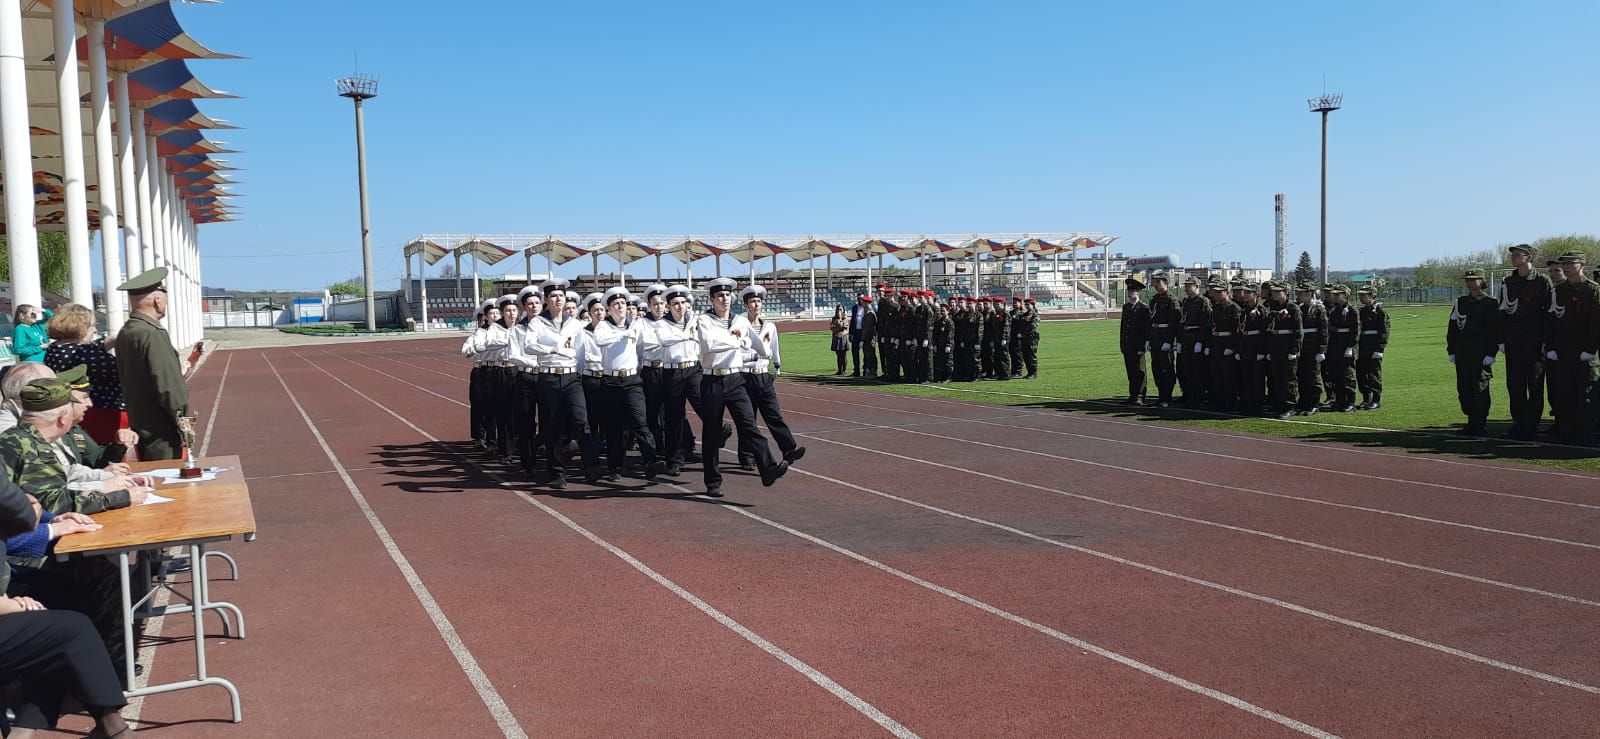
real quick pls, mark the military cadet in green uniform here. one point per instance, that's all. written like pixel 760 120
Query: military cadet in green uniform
pixel 1222 346
pixel 1571 346
pixel 1283 350
pixel 1524 310
pixel 1472 340
pixel 1018 334
pixel 966 350
pixel 1030 338
pixel 1313 347
pixel 1164 322
pixel 1344 332
pixel 944 334
pixel 1252 350
pixel 1135 339
pixel 1002 346
pixel 1369 350
pixel 152 377
pixel 1193 372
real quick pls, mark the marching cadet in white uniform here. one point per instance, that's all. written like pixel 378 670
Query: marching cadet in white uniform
pixel 674 334
pixel 618 339
pixel 760 372
pixel 723 336
pixel 651 359
pixel 478 383
pixel 591 310
pixel 527 382
pixel 504 410
pixel 554 340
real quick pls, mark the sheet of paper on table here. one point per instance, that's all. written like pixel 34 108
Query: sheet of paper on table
pixel 153 499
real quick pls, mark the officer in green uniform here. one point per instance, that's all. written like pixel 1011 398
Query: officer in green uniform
pixel 1369 350
pixel 1135 339
pixel 1313 346
pixel 944 334
pixel 1524 310
pixel 1164 324
pixel 1193 372
pixel 1002 346
pixel 1344 332
pixel 1283 350
pixel 1472 340
pixel 1222 346
pixel 1571 346
pixel 1252 349
pixel 152 377
pixel 1030 338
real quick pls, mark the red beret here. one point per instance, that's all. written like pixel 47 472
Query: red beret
pixel 866 298
pixel 1017 298
pixel 1030 300
pixel 883 286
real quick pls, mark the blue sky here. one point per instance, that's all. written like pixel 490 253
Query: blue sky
pixel 1171 125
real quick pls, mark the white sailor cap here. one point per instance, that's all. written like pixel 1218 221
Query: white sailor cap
pixel 507 298
pixel 554 284
pixel 678 291
pixel 653 289
pixel 753 291
pixel 590 299
pixel 721 285
pixel 486 305
pixel 572 296
pixel 616 293
pixel 525 292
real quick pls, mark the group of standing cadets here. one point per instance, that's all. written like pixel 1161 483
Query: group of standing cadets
pixel 614 372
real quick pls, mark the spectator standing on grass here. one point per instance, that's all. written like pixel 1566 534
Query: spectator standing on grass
pixel 28 336
pixel 839 338
pixel 1472 340
pixel 72 344
pixel 149 368
pixel 1524 311
pixel 1571 348
pixel 863 336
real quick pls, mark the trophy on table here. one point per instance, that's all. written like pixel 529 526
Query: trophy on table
pixel 191 469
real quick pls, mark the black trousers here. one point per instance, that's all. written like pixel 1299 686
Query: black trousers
pixel 1161 367
pixel 55 655
pixel 475 403
pixel 1133 366
pixel 623 407
pixel 594 399
pixel 504 408
pixel 728 392
pixel 1310 380
pixel 855 353
pixel 527 418
pixel 763 392
pixel 563 412
pixel 1525 384
pixel 680 390
pixel 651 378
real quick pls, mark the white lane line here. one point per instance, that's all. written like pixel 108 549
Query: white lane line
pixel 216 407
pixel 1121 659
pixel 307 474
pixel 1219 455
pixel 1295 607
pixel 447 631
pixel 1215 524
pixel 1238 489
pixel 811 673
pixel 1337 447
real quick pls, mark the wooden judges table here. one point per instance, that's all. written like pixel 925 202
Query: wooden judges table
pixel 200 513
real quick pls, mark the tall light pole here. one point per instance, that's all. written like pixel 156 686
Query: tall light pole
pixel 1325 104
pixel 1213 259
pixel 361 87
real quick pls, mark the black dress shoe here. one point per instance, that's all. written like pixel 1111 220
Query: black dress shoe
pixel 773 473
pixel 654 469
pixel 559 482
pixel 714 491
pixel 746 464
pixel 1286 415
pixel 592 475
pixel 794 455
pixel 674 469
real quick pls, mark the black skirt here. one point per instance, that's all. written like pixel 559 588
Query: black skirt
pixel 841 343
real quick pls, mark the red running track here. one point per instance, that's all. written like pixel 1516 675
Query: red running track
pixel 931 568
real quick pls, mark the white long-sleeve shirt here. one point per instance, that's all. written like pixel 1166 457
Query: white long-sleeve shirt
pixel 767 335
pixel 588 352
pixel 619 345
pixel 514 352
pixel 651 352
pixel 470 348
pixel 553 344
pixel 678 343
pixel 493 346
pixel 722 341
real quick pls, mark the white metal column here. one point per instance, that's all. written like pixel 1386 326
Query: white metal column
pixel 22 236
pixel 75 194
pixel 147 209
pixel 106 173
pixel 158 206
pixel 128 186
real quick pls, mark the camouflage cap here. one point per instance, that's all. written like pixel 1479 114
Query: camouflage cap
pixel 76 378
pixel 1472 274
pixel 1305 286
pixel 1278 286
pixel 1191 280
pixel 1574 257
pixel 1247 286
pixel 1524 248
pixel 1340 288
pixel 1366 290
pixel 45 394
pixel 1160 277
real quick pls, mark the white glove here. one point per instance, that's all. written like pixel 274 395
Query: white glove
pixel 1585 356
pixel 1166 347
pixel 1550 355
pixel 1293 357
pixel 1452 359
pixel 1502 349
pixel 1348 353
pixel 1377 355
pixel 924 343
pixel 1227 352
pixel 1321 356
pixel 1488 361
pixel 1260 357
pixel 1198 346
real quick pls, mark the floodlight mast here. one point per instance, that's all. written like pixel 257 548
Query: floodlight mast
pixel 359 87
pixel 1325 104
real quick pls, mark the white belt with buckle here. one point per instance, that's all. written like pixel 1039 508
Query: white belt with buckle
pixel 1223 333
pixel 529 370
pixel 1285 331
pixel 656 365
pixel 620 373
pixel 1161 325
pixel 1343 330
pixel 594 373
pixel 723 372
pixel 1251 333
pixel 556 370
pixel 1310 330
pixel 1369 333
pixel 680 365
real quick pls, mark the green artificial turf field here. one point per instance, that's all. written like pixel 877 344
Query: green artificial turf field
pixel 1080 369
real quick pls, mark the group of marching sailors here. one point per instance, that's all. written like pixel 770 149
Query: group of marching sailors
pixel 612 371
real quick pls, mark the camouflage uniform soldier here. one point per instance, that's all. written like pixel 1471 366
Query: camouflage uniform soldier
pixel 1030 339
pixel 944 330
pixel 1193 373
pixel 1252 350
pixel 1164 320
pixel 1313 347
pixel 1369 351
pixel 1002 345
pixel 1571 347
pixel 1344 327
pixel 1222 346
pixel 1135 340
pixel 1283 350
pixel 1472 340
pixel 1018 334
pixel 1524 310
